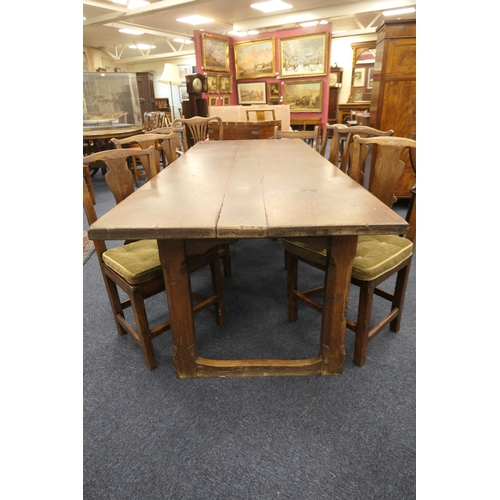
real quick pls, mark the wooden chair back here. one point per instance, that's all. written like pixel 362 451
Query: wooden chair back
pixel 311 137
pixel 118 176
pixel 155 119
pixel 259 115
pixel 341 141
pixel 180 133
pixel 387 170
pixel 198 127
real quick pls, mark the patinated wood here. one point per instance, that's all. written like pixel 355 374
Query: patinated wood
pixel 223 190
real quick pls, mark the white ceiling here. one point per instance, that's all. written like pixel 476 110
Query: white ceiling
pixel 158 21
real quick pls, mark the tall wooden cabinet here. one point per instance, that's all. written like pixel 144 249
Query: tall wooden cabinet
pixel 146 89
pixel 394 95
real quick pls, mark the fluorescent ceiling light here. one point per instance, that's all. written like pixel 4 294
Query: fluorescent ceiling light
pixel 309 24
pixel 271 6
pixel 194 20
pixel 397 12
pixel 323 21
pixel 237 33
pixel 253 32
pixel 142 46
pixel 130 31
pixel 181 40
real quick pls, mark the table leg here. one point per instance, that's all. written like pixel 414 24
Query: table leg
pixel 178 289
pixel 340 256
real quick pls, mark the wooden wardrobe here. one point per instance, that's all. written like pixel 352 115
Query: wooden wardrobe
pixel 394 95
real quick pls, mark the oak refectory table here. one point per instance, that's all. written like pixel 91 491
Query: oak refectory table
pixel 220 191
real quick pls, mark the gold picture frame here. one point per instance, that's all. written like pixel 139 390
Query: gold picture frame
pixel 226 101
pixel 273 92
pixel 302 56
pixel 225 84
pixel 255 59
pixel 251 93
pixel 215 52
pixel 212 83
pixel 212 101
pixel 304 96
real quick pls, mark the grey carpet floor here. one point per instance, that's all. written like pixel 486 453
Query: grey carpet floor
pixel 149 435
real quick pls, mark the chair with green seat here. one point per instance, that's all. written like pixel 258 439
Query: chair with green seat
pixel 135 266
pixel 378 257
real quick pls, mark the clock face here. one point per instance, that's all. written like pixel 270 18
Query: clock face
pixel 197 85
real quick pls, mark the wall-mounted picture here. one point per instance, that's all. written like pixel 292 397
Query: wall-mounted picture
pixel 225 84
pixel 358 95
pixel 226 101
pixel 215 52
pixel 212 83
pixel 369 79
pixel 184 70
pixel 183 93
pixel 254 59
pixel 358 77
pixel 304 96
pixel 273 92
pixel 212 101
pixel 303 55
pixel 251 93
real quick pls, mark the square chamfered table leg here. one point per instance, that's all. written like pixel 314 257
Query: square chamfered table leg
pixel 340 256
pixel 178 289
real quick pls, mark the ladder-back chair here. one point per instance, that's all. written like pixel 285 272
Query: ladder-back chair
pixel 310 137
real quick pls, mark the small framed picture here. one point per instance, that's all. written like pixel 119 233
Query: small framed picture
pixel 252 93
pixel 212 101
pixel 225 84
pixel 226 101
pixel 212 84
pixel 273 92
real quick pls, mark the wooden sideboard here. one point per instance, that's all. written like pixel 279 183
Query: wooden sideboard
pixel 344 110
pixel 244 130
pixel 394 95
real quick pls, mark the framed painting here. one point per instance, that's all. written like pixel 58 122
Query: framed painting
pixel 251 93
pixel 226 101
pixel 212 83
pixel 225 84
pixel 184 70
pixel 214 52
pixel 212 101
pixel 304 96
pixel 273 92
pixel 358 77
pixel 254 59
pixel 183 93
pixel 369 79
pixel 303 55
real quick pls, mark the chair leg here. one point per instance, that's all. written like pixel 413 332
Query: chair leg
pixel 220 308
pixel 399 296
pixel 143 331
pixel 366 293
pixel 115 302
pixel 292 271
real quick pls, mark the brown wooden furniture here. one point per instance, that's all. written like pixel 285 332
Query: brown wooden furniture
pixel 310 137
pixel 335 83
pixel 259 115
pixel 180 132
pixel 146 90
pixel 394 95
pixel 155 119
pixel 135 267
pixel 344 110
pixel 340 147
pixel 305 123
pixel 144 141
pixel 225 190
pixel 197 127
pixel 378 257
pixel 244 130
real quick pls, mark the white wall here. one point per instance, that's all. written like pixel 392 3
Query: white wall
pixel 341 53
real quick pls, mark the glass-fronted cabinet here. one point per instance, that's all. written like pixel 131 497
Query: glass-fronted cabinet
pixel 110 100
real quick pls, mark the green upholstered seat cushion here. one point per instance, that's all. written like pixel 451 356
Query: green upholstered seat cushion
pixel 136 262
pixel 375 254
pixel 139 261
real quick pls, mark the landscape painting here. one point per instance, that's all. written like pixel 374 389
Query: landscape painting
pixel 215 52
pixel 305 96
pixel 254 59
pixel 304 55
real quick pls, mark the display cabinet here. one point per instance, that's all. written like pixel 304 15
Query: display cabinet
pixel 110 100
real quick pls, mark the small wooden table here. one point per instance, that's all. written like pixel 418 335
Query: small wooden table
pixel 224 190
